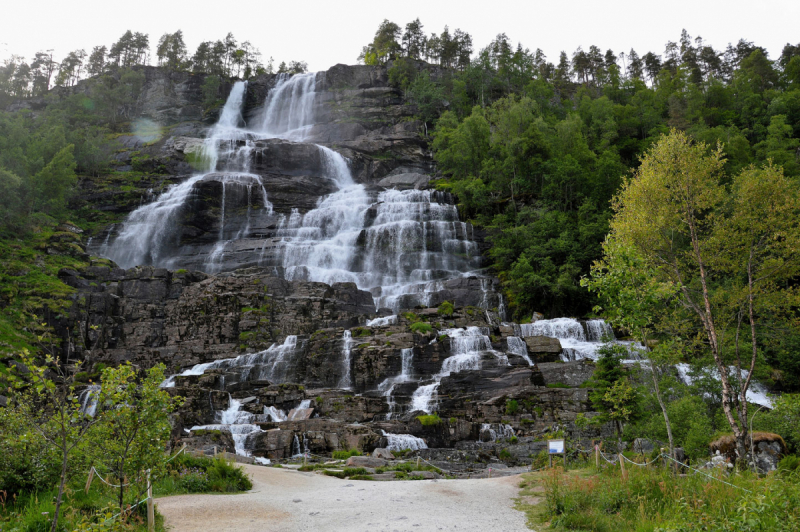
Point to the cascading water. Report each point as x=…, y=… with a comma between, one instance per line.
x=383, y=322
x=238, y=423
x=496, y=431
x=387, y=386
x=578, y=342
x=148, y=234
x=88, y=399
x=273, y=364
x=399, y=245
x=518, y=346
x=345, y=381
x=467, y=346
x=402, y=442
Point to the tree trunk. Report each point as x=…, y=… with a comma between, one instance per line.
x=64, y=456
x=663, y=410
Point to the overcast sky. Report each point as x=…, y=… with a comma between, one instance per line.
x=325, y=32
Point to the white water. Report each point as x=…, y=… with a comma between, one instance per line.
x=382, y=322
x=467, y=346
x=518, y=346
x=346, y=382
x=757, y=393
x=272, y=364
x=238, y=423
x=498, y=431
x=301, y=411
x=88, y=399
x=578, y=343
x=148, y=234
x=400, y=243
x=400, y=442
x=387, y=386
x=276, y=415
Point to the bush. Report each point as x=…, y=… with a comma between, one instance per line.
x=446, y=309
x=421, y=328
x=512, y=407
x=202, y=474
x=344, y=455
x=429, y=420
x=789, y=464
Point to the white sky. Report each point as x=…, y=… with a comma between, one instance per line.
x=326, y=32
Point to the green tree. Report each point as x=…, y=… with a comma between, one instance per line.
x=50, y=406
x=134, y=428
x=699, y=238
x=384, y=45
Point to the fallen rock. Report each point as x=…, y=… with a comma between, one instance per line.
x=382, y=453
x=365, y=461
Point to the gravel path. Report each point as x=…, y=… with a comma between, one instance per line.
x=291, y=501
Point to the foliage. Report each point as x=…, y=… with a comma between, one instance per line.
x=421, y=327
x=344, y=455
x=657, y=500
x=429, y=420
x=512, y=407
x=134, y=425
x=446, y=309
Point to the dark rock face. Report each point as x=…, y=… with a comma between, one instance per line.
x=148, y=315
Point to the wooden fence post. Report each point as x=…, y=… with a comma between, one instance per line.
x=597, y=456
x=89, y=480
x=622, y=467
x=151, y=516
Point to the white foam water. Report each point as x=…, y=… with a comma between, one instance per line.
x=757, y=393
x=401, y=442
x=347, y=344
x=89, y=398
x=578, y=340
x=388, y=385
x=383, y=322
x=467, y=346
x=497, y=431
x=518, y=346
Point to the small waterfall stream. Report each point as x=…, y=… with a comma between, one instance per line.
x=578, y=340
x=467, y=346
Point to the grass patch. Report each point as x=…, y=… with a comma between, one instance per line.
x=557, y=385
x=421, y=327
x=429, y=420
x=344, y=455
x=655, y=500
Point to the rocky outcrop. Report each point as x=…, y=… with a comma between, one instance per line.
x=149, y=315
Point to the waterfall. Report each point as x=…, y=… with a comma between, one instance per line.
x=387, y=386
x=238, y=423
x=518, y=346
x=88, y=399
x=272, y=364
x=289, y=108
x=467, y=346
x=578, y=342
x=402, y=442
x=275, y=415
x=401, y=246
x=497, y=431
x=757, y=393
x=382, y=322
x=345, y=381
x=148, y=234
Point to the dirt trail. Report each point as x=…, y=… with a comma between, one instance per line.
x=290, y=501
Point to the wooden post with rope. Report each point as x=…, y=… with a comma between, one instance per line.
x=151, y=515
x=622, y=467
x=597, y=456
x=89, y=479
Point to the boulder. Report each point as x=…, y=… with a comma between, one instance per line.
x=405, y=181
x=543, y=344
x=365, y=461
x=383, y=454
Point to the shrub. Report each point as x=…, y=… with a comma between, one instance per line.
x=512, y=407
x=429, y=420
x=344, y=455
x=504, y=454
x=410, y=316
x=421, y=328
x=789, y=464
x=446, y=309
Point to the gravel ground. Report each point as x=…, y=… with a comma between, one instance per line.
x=291, y=501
